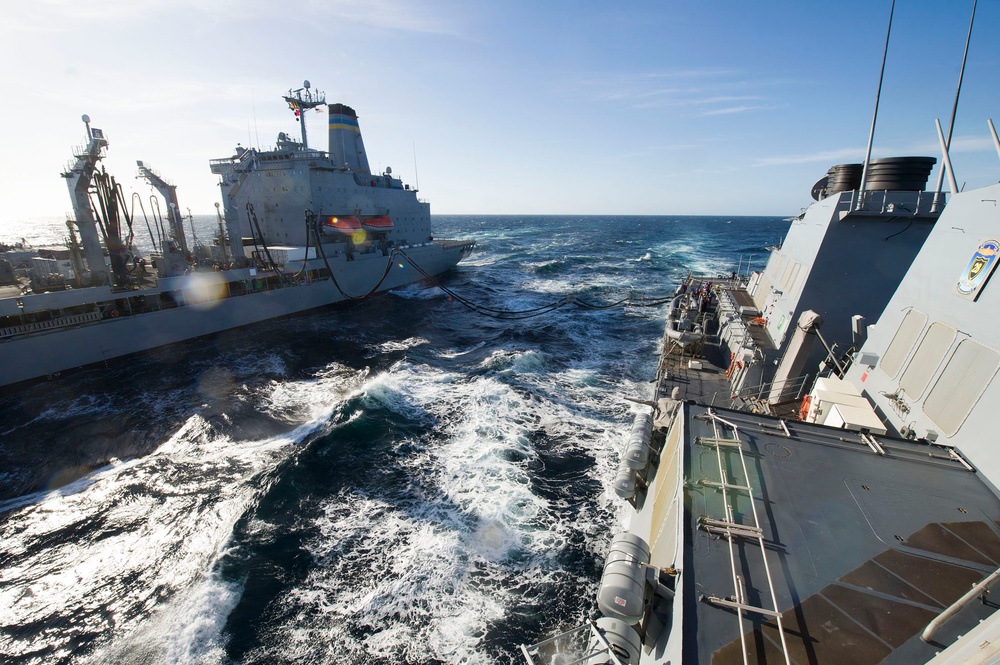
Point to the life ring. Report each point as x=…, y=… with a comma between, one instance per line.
x=760, y=321
x=114, y=314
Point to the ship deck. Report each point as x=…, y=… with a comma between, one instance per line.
x=701, y=377
x=863, y=548
x=706, y=379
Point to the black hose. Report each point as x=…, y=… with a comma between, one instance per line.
x=511, y=315
x=136, y=197
x=154, y=206
x=319, y=245
x=253, y=219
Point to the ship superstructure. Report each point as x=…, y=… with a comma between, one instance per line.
x=265, y=193
x=854, y=518
x=815, y=478
x=299, y=229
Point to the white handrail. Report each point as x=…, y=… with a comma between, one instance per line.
x=955, y=608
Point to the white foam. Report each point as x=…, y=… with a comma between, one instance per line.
x=422, y=576
x=401, y=345
x=152, y=529
x=458, y=353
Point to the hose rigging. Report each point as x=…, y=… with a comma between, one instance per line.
x=509, y=315
x=110, y=212
x=312, y=221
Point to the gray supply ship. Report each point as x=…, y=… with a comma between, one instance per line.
x=299, y=229
x=804, y=487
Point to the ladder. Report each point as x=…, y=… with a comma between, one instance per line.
x=726, y=443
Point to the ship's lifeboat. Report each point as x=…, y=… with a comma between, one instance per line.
x=378, y=223
x=345, y=225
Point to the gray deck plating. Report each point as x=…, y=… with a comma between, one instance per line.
x=862, y=554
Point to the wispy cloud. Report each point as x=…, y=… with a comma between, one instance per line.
x=707, y=91
x=959, y=144
x=826, y=156
x=396, y=15
x=745, y=108
x=393, y=15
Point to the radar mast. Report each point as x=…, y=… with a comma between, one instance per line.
x=300, y=101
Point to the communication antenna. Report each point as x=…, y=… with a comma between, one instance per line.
x=954, y=109
x=993, y=131
x=416, y=175
x=253, y=104
x=871, y=133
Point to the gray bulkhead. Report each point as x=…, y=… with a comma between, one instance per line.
x=840, y=262
x=931, y=360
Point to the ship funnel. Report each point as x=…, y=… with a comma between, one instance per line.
x=346, y=146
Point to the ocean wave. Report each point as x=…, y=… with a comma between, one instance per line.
x=402, y=480
x=140, y=534
x=423, y=570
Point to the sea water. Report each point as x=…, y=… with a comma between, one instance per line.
x=398, y=481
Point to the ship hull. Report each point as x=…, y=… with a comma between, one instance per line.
x=46, y=354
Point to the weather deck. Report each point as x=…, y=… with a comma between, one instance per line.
x=862, y=555
x=700, y=377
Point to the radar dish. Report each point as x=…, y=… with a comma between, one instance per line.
x=85, y=118
x=388, y=170
x=819, y=189
x=305, y=84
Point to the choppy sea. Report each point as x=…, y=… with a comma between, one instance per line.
x=399, y=481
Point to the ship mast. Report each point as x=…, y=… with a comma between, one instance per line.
x=78, y=177
x=302, y=100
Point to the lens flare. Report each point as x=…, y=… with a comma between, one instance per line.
x=204, y=290
x=359, y=236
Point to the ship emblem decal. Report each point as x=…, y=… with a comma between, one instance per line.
x=978, y=270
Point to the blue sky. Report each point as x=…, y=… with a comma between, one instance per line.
x=706, y=107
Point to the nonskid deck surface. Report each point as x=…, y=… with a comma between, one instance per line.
x=862, y=554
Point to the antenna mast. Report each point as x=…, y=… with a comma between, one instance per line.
x=415, y=173
x=300, y=101
x=871, y=134
x=954, y=109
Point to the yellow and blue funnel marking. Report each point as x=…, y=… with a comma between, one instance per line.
x=343, y=122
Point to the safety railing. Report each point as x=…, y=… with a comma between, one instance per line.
x=570, y=647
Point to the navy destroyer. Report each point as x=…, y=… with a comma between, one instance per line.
x=815, y=477
x=298, y=229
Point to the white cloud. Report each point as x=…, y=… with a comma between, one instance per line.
x=745, y=108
